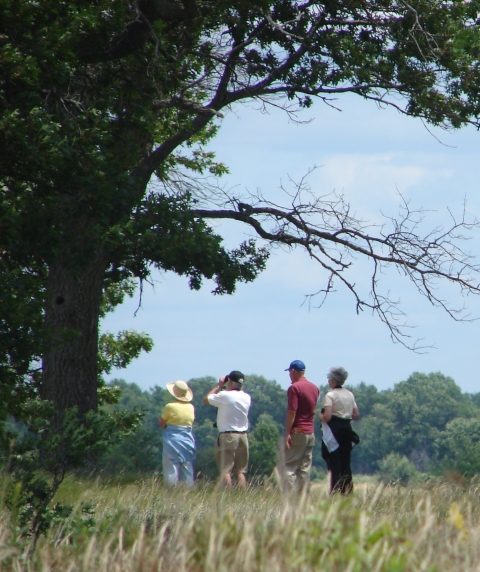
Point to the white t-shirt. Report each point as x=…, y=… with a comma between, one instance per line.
x=341, y=401
x=233, y=409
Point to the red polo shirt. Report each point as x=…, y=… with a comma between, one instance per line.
x=302, y=398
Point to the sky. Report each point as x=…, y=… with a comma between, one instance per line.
x=370, y=155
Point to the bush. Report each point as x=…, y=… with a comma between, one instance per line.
x=396, y=469
x=458, y=447
x=263, y=442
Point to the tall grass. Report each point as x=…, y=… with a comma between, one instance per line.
x=144, y=527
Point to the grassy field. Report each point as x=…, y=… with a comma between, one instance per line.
x=143, y=527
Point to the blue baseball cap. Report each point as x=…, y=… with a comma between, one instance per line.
x=296, y=364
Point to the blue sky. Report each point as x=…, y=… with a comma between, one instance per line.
x=370, y=155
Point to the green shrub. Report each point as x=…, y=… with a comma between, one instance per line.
x=458, y=447
x=396, y=469
x=263, y=442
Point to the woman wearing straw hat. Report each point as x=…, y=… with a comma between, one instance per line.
x=178, y=441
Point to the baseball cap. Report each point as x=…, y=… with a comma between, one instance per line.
x=236, y=376
x=296, y=364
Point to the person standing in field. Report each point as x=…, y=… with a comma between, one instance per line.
x=339, y=408
x=178, y=440
x=296, y=457
x=231, y=446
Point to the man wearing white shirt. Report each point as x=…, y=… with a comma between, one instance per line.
x=231, y=447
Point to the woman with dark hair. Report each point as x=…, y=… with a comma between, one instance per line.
x=339, y=408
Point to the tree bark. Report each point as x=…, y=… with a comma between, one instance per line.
x=70, y=362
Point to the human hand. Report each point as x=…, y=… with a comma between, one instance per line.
x=288, y=441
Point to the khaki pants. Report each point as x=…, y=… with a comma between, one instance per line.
x=231, y=453
x=295, y=472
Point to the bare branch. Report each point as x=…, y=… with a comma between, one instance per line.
x=331, y=235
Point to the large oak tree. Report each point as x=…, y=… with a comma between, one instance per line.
x=105, y=111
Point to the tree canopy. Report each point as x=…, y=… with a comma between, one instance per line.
x=106, y=109
x=424, y=424
x=410, y=419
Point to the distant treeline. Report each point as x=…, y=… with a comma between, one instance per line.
x=425, y=424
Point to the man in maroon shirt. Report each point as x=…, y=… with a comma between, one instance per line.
x=299, y=436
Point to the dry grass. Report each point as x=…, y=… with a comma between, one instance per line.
x=143, y=527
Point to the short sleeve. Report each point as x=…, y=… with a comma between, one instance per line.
x=217, y=399
x=166, y=412
x=328, y=400
x=292, y=398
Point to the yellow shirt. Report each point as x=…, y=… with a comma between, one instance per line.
x=179, y=413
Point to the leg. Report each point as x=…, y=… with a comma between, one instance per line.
x=170, y=472
x=186, y=474
x=346, y=483
x=241, y=480
x=335, y=468
x=292, y=460
x=240, y=465
x=225, y=446
x=305, y=465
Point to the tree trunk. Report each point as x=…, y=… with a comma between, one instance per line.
x=70, y=369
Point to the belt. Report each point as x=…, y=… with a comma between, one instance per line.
x=241, y=432
x=301, y=431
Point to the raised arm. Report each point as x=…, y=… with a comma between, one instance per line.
x=221, y=383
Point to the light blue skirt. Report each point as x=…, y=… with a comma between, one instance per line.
x=179, y=444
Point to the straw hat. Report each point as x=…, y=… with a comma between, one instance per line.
x=180, y=390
